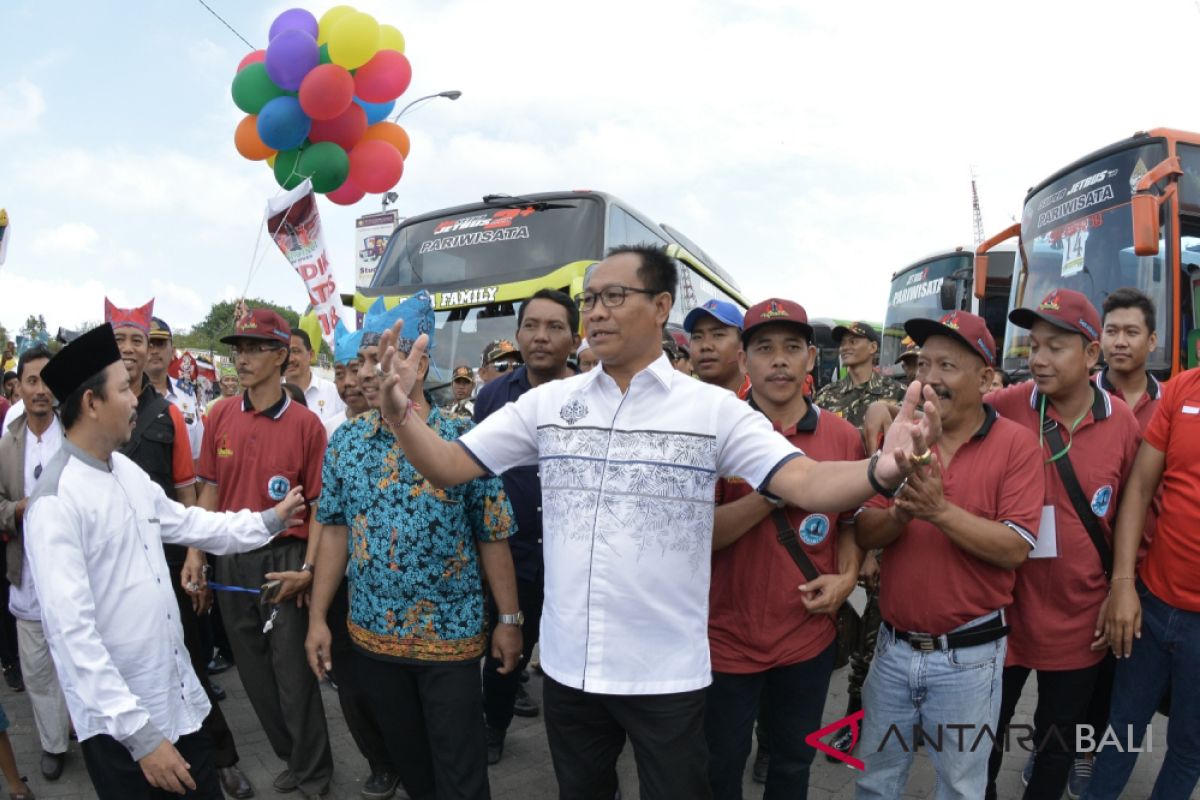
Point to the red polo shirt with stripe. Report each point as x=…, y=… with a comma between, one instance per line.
x=1143, y=412
x=1057, y=600
x=256, y=457
x=927, y=583
x=756, y=618
x=1172, y=565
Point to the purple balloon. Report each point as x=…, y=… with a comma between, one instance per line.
x=293, y=19
x=290, y=56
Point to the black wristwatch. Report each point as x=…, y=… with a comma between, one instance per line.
x=875, y=484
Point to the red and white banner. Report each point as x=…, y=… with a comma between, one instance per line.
x=295, y=225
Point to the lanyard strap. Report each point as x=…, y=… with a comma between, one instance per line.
x=1070, y=431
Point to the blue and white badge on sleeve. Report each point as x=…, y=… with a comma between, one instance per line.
x=278, y=487
x=1101, y=500
x=814, y=529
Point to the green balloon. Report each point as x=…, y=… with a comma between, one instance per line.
x=326, y=163
x=286, y=173
x=253, y=88
x=324, y=54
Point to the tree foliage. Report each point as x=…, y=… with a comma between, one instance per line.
x=206, y=335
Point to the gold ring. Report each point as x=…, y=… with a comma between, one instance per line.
x=923, y=458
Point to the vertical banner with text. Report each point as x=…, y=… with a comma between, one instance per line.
x=295, y=225
x=371, y=235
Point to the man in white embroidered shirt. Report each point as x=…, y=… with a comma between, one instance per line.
x=94, y=533
x=629, y=457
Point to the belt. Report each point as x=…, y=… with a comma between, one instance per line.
x=984, y=632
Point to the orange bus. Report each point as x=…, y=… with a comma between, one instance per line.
x=1126, y=215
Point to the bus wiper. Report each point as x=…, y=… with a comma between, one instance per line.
x=511, y=201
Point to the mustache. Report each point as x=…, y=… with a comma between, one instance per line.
x=942, y=392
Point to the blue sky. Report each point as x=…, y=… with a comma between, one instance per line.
x=811, y=148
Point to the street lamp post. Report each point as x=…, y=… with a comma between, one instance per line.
x=451, y=94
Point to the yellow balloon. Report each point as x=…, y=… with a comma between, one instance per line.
x=353, y=40
x=329, y=19
x=390, y=38
x=271, y=160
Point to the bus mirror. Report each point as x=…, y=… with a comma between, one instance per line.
x=948, y=294
x=1145, y=224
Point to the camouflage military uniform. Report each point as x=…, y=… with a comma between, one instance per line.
x=850, y=402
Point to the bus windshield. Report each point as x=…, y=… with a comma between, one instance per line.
x=915, y=294
x=490, y=244
x=1077, y=233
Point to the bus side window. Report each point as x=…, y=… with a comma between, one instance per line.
x=623, y=228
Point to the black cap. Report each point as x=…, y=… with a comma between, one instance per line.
x=79, y=360
x=855, y=329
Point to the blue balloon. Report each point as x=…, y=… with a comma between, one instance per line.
x=376, y=112
x=282, y=125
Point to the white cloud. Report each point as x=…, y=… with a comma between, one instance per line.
x=68, y=239
x=23, y=104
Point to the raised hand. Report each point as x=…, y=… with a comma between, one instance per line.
x=909, y=436
x=399, y=372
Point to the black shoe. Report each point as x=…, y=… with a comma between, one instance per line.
x=286, y=782
x=218, y=664
x=495, y=745
x=52, y=765
x=762, y=760
x=380, y=785
x=234, y=782
x=524, y=676
x=12, y=676
x=843, y=743
x=217, y=691
x=523, y=705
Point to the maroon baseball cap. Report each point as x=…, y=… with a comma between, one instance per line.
x=262, y=324
x=961, y=326
x=775, y=309
x=1062, y=308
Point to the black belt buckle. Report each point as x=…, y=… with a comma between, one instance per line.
x=923, y=642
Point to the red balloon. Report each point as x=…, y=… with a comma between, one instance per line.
x=256, y=57
x=383, y=78
x=375, y=165
x=326, y=91
x=344, y=130
x=347, y=194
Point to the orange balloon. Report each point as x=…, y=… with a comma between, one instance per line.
x=246, y=139
x=391, y=133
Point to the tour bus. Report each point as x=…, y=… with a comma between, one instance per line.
x=943, y=282
x=482, y=260
x=1126, y=215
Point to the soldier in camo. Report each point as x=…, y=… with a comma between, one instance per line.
x=858, y=346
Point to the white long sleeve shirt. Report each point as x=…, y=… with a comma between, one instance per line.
x=94, y=534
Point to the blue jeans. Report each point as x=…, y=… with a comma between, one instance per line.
x=1169, y=651
x=908, y=690
x=795, y=695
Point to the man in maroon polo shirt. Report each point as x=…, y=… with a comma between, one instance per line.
x=253, y=452
x=764, y=633
x=952, y=538
x=1061, y=588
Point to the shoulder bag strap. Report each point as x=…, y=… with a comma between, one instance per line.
x=1082, y=508
x=787, y=537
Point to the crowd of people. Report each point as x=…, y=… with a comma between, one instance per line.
x=675, y=520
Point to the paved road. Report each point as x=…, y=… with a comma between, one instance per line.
x=524, y=774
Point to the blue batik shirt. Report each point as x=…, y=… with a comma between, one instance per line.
x=415, y=586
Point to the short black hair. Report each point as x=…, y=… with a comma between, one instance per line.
x=1128, y=297
x=296, y=392
x=557, y=297
x=32, y=354
x=1005, y=378
x=658, y=270
x=303, y=336
x=72, y=407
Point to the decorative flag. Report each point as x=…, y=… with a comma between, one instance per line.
x=295, y=225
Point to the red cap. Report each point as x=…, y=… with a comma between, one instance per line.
x=1063, y=308
x=961, y=326
x=263, y=324
x=775, y=309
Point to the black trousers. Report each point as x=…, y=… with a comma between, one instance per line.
x=1101, y=702
x=224, y=750
x=355, y=698
x=8, y=624
x=117, y=776
x=1063, y=698
x=587, y=733
x=500, y=691
x=430, y=719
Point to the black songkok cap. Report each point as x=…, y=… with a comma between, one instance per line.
x=84, y=357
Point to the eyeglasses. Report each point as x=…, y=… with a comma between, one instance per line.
x=503, y=366
x=610, y=296
x=248, y=349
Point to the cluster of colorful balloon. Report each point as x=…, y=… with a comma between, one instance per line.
x=318, y=99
